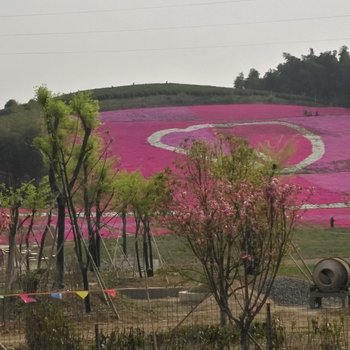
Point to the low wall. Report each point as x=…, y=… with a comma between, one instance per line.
x=154, y=292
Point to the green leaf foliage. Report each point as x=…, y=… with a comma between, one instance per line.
x=47, y=328
x=86, y=108
x=324, y=77
x=20, y=160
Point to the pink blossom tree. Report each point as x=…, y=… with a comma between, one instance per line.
x=237, y=218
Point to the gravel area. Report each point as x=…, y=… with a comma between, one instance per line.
x=290, y=291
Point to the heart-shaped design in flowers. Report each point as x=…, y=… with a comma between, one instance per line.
x=309, y=147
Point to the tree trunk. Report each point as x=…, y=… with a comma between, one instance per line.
x=97, y=235
x=150, y=272
x=84, y=273
x=138, y=257
x=92, y=249
x=124, y=243
x=98, y=250
x=244, y=338
x=145, y=253
x=43, y=238
x=137, y=252
x=27, y=239
x=92, y=238
x=223, y=318
x=61, y=205
x=88, y=217
x=10, y=276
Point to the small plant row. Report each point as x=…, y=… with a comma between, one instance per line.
x=48, y=328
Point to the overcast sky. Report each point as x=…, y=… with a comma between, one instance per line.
x=81, y=44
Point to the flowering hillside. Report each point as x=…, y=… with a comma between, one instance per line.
x=147, y=140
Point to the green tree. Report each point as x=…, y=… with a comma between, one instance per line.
x=126, y=191
x=14, y=199
x=253, y=79
x=324, y=77
x=11, y=104
x=146, y=198
x=239, y=81
x=54, y=147
x=344, y=56
x=97, y=179
x=69, y=128
x=20, y=161
x=38, y=199
x=69, y=151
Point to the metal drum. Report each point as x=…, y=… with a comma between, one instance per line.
x=331, y=275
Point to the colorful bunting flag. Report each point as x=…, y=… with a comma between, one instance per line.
x=83, y=293
x=26, y=298
x=57, y=295
x=111, y=292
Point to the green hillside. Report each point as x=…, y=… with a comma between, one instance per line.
x=21, y=123
x=170, y=94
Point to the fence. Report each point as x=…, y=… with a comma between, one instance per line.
x=291, y=327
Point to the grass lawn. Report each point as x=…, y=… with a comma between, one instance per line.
x=320, y=242
x=312, y=243
x=179, y=266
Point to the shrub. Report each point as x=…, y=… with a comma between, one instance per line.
x=190, y=337
x=47, y=328
x=133, y=338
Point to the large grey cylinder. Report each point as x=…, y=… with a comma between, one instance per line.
x=331, y=275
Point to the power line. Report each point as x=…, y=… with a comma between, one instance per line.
x=198, y=26
x=86, y=52
x=83, y=12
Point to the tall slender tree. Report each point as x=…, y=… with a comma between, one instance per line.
x=126, y=190
x=53, y=146
x=98, y=191
x=66, y=145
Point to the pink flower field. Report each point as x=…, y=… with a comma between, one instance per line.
x=147, y=140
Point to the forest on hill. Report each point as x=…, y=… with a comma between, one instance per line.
x=324, y=77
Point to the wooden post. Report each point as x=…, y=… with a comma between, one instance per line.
x=3, y=310
x=269, y=342
x=97, y=337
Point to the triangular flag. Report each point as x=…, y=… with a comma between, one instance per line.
x=57, y=295
x=27, y=299
x=83, y=293
x=111, y=292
